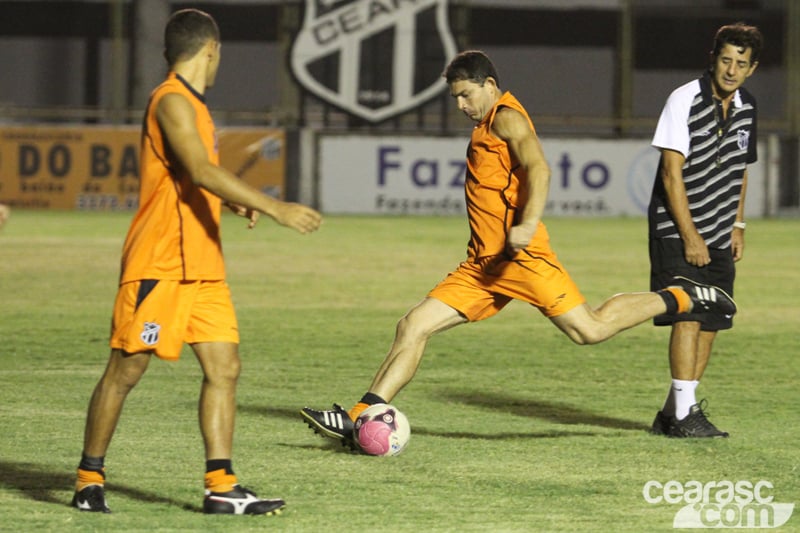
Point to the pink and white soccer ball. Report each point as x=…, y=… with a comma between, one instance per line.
x=381, y=429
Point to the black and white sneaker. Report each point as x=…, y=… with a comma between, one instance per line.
x=91, y=499
x=706, y=298
x=334, y=423
x=240, y=501
x=695, y=425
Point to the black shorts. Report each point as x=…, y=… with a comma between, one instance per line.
x=667, y=260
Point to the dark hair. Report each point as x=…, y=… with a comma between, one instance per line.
x=470, y=65
x=739, y=35
x=187, y=31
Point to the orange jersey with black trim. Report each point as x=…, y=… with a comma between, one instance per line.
x=175, y=233
x=496, y=188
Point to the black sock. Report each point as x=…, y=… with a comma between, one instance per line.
x=670, y=300
x=372, y=399
x=220, y=464
x=92, y=464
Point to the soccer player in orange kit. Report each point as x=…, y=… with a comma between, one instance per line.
x=172, y=284
x=509, y=254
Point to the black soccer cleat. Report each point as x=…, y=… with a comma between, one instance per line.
x=695, y=425
x=662, y=424
x=706, y=298
x=334, y=423
x=91, y=499
x=240, y=501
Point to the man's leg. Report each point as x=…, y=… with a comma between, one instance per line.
x=217, y=413
x=427, y=318
x=217, y=408
x=683, y=355
x=689, y=353
x=584, y=325
x=689, y=346
x=122, y=373
x=704, y=344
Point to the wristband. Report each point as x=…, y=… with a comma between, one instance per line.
x=740, y=225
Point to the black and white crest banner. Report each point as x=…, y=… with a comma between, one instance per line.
x=374, y=59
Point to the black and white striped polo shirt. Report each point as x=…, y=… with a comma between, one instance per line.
x=717, y=152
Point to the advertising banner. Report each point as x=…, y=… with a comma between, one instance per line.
x=425, y=176
x=97, y=167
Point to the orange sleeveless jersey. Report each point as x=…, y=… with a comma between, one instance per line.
x=490, y=277
x=495, y=188
x=175, y=233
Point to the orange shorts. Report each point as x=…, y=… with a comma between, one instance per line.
x=479, y=290
x=160, y=315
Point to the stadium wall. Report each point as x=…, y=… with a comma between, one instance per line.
x=97, y=167
x=411, y=175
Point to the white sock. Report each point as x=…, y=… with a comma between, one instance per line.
x=682, y=392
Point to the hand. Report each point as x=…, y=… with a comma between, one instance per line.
x=695, y=251
x=242, y=211
x=5, y=212
x=298, y=217
x=737, y=244
x=519, y=237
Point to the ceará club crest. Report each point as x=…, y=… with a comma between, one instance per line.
x=374, y=59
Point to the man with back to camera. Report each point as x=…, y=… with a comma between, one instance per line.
x=172, y=283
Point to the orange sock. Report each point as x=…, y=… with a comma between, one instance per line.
x=89, y=477
x=357, y=410
x=684, y=302
x=219, y=481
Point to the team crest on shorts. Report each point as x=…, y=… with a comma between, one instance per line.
x=149, y=334
x=373, y=58
x=743, y=139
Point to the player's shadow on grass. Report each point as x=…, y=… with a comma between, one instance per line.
x=502, y=436
x=277, y=412
x=558, y=413
x=550, y=411
x=293, y=414
x=41, y=484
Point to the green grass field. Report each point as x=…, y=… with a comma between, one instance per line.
x=514, y=428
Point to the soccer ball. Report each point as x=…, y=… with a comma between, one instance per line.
x=381, y=429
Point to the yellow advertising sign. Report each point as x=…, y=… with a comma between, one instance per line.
x=97, y=167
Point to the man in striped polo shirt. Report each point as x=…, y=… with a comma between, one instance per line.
x=707, y=136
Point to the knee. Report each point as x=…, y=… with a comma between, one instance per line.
x=230, y=371
x=410, y=330
x=125, y=370
x=403, y=326
x=583, y=337
x=122, y=381
x=582, y=326
x=220, y=362
x=223, y=374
